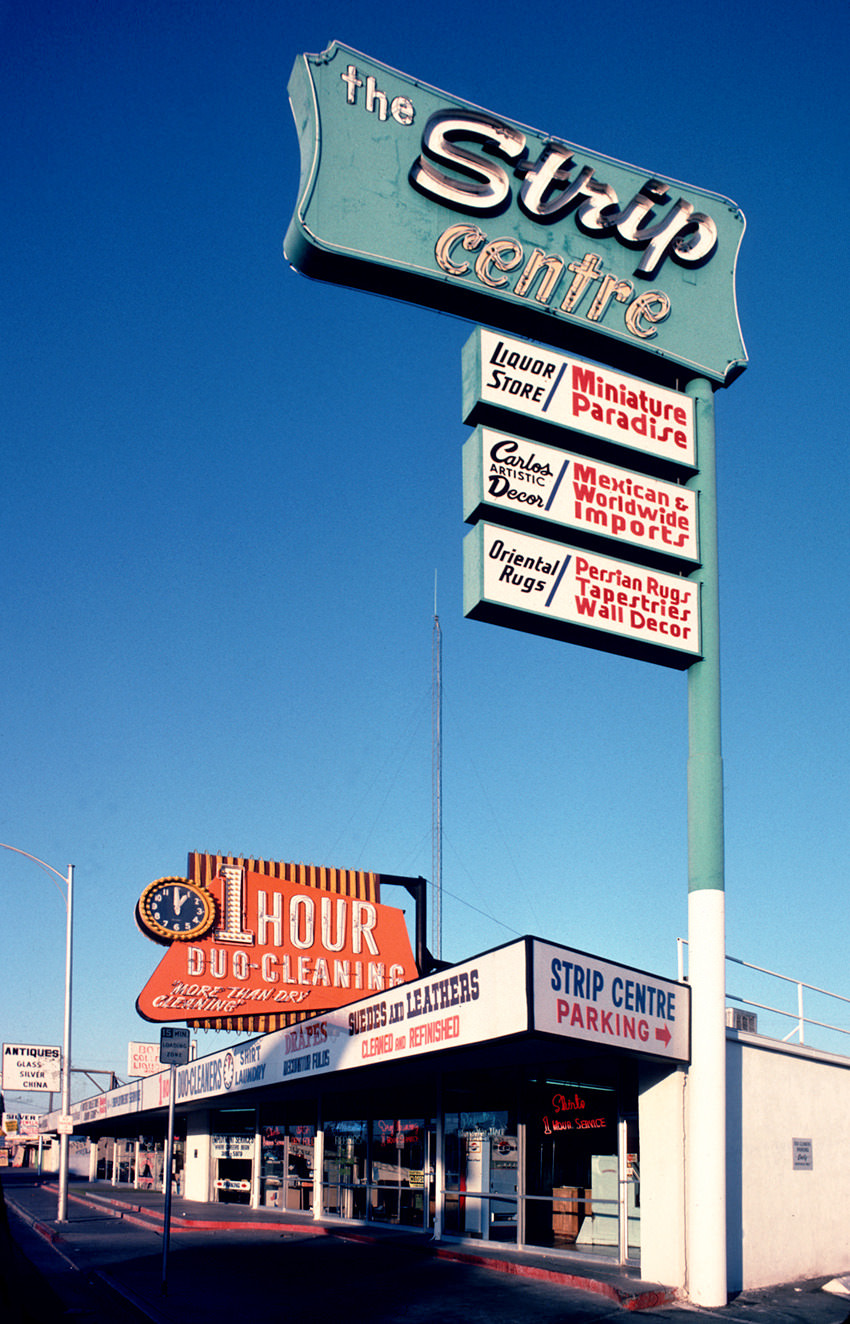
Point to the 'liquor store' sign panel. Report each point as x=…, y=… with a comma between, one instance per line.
x=540, y=393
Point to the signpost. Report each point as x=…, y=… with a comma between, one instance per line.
x=173, y=1052
x=515, y=578
x=706, y=1150
x=547, y=587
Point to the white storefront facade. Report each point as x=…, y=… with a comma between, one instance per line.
x=532, y=1096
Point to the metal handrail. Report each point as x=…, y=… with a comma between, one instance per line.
x=800, y=984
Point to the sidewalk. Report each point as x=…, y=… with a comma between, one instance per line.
x=226, y=1260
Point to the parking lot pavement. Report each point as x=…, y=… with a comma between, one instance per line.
x=294, y=1273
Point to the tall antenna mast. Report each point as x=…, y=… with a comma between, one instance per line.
x=436, y=785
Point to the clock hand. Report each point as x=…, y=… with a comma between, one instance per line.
x=180, y=898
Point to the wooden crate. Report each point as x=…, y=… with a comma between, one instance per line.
x=569, y=1210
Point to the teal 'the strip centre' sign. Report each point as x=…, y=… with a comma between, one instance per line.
x=409, y=192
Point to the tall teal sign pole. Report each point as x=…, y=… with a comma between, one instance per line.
x=705, y=1172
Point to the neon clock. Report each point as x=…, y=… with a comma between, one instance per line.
x=176, y=909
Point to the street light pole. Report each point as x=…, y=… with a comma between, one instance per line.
x=64, y=1136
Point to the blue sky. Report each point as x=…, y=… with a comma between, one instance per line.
x=227, y=490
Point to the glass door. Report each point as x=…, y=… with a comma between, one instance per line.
x=572, y=1172
x=481, y=1174
x=398, y=1180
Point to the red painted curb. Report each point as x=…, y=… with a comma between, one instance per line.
x=643, y=1301
x=201, y=1225
x=140, y=1216
x=47, y=1232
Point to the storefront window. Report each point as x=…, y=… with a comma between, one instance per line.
x=572, y=1173
x=151, y=1162
x=380, y=1169
x=345, y=1172
x=232, y=1154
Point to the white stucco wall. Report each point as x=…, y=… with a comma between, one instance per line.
x=784, y=1224
x=197, y=1172
x=661, y=1120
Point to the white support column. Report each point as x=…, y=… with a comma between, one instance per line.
x=622, y=1190
x=440, y=1167
x=256, y=1166
x=521, y=1151
x=318, y=1170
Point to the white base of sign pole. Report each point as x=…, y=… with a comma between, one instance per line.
x=706, y=1111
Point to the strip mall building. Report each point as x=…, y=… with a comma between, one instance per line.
x=533, y=1095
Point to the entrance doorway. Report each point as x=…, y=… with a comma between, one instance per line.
x=481, y=1167
x=380, y=1169
x=232, y=1154
x=582, y=1168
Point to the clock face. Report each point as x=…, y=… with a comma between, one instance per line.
x=176, y=908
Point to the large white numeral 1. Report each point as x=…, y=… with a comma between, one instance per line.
x=233, y=877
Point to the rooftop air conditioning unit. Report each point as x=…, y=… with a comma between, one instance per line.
x=742, y=1020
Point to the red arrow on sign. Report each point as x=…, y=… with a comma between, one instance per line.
x=664, y=1035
